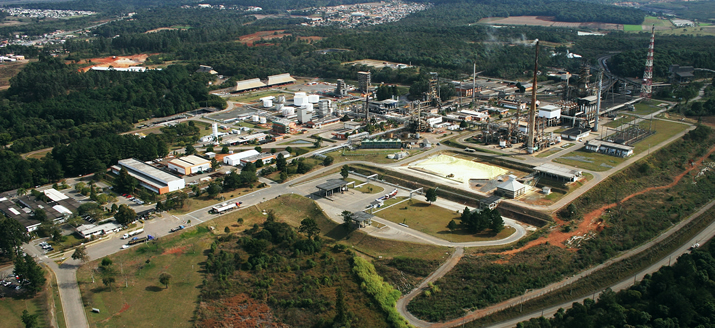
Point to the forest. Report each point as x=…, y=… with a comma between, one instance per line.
x=681, y=295
x=50, y=103
x=283, y=276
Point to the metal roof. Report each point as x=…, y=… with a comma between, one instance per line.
x=55, y=195
x=188, y=161
x=249, y=84
x=280, y=79
x=607, y=144
x=558, y=170
x=150, y=171
x=332, y=184
x=362, y=216
x=511, y=185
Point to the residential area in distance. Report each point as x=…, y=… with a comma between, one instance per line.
x=291, y=164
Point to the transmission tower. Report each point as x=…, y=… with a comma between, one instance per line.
x=647, y=86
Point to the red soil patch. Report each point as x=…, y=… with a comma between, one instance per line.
x=239, y=311
x=250, y=39
x=124, y=308
x=591, y=221
x=175, y=250
x=547, y=21
x=118, y=61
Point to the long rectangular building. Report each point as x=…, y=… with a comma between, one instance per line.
x=150, y=177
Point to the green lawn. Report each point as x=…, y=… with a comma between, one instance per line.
x=256, y=95
x=663, y=131
x=645, y=109
x=370, y=189
x=378, y=156
x=590, y=160
x=651, y=20
x=632, y=28
x=602, y=162
x=548, y=152
x=11, y=308
x=622, y=119
x=137, y=298
x=433, y=220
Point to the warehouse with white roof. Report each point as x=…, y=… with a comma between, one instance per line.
x=235, y=159
x=150, y=177
x=191, y=164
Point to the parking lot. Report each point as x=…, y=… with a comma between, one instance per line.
x=350, y=200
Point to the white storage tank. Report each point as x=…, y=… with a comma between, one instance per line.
x=288, y=111
x=279, y=107
x=281, y=99
x=262, y=120
x=313, y=99
x=254, y=118
x=300, y=101
x=309, y=107
x=267, y=103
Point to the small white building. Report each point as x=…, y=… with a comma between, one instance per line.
x=191, y=164
x=235, y=159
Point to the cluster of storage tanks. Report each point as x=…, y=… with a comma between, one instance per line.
x=301, y=99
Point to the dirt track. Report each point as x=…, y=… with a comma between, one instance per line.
x=591, y=220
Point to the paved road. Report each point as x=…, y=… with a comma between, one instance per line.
x=439, y=273
x=703, y=236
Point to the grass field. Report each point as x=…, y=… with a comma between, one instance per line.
x=548, y=152
x=602, y=162
x=695, y=31
x=11, y=311
x=433, y=220
x=590, y=160
x=255, y=96
x=377, y=156
x=632, y=28
x=137, y=287
x=191, y=204
x=664, y=130
x=645, y=109
x=7, y=71
x=622, y=119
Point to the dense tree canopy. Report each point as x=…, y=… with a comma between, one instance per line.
x=681, y=295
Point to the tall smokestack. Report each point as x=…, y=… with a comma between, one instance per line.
x=532, y=110
x=598, y=101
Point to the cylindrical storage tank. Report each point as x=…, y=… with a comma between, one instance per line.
x=267, y=103
x=279, y=107
x=288, y=111
x=502, y=143
x=300, y=101
x=309, y=107
x=300, y=94
x=262, y=120
x=281, y=99
x=254, y=118
x=313, y=99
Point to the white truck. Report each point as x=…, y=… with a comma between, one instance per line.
x=133, y=233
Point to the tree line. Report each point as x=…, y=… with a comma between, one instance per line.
x=50, y=103
x=681, y=295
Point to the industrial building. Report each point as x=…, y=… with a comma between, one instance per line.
x=57, y=207
x=266, y=158
x=280, y=79
x=248, y=85
x=551, y=113
x=364, y=81
x=381, y=144
x=235, y=159
x=609, y=148
x=558, y=172
x=150, y=177
x=511, y=188
x=189, y=165
x=575, y=133
x=283, y=126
